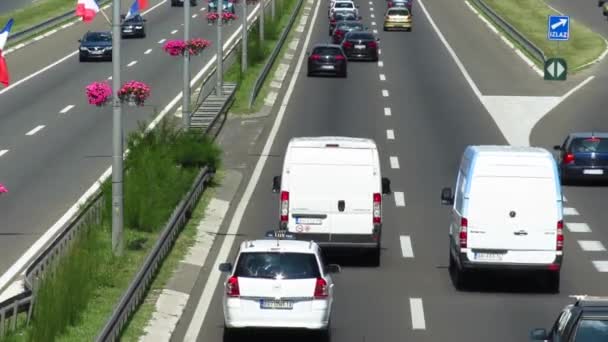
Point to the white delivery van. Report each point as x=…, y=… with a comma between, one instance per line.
x=331, y=192
x=506, y=213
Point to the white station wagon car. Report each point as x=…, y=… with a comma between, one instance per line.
x=278, y=282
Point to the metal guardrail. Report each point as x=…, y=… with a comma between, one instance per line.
x=273, y=56
x=137, y=289
x=528, y=45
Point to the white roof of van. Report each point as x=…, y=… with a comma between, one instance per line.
x=345, y=142
x=501, y=150
x=270, y=245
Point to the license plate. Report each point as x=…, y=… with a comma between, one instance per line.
x=359, y=46
x=308, y=220
x=96, y=52
x=593, y=172
x=276, y=304
x=127, y=31
x=488, y=256
x=327, y=67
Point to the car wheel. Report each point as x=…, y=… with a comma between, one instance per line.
x=230, y=335
x=553, y=280
x=325, y=334
x=385, y=29
x=409, y=29
x=143, y=34
x=458, y=275
x=600, y=3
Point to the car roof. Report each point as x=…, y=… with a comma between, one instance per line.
x=279, y=245
x=589, y=134
x=347, y=142
x=502, y=149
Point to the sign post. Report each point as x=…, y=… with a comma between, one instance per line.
x=558, y=30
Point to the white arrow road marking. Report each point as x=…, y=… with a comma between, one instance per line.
x=417, y=314
x=35, y=130
x=66, y=109
x=399, y=199
x=561, y=22
x=3, y=152
x=406, y=246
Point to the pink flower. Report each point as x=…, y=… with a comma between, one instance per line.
x=134, y=89
x=98, y=93
x=212, y=16
x=175, y=47
x=3, y=189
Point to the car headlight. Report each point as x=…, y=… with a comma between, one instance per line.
x=83, y=49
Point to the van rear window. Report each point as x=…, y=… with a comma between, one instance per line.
x=589, y=145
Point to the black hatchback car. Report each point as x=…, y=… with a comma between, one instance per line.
x=342, y=27
x=133, y=27
x=583, y=156
x=584, y=321
x=327, y=59
x=360, y=45
x=96, y=46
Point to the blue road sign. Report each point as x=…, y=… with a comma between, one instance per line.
x=558, y=27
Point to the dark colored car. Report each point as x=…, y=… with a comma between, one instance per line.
x=133, y=27
x=227, y=6
x=400, y=3
x=327, y=59
x=96, y=46
x=584, y=321
x=341, y=16
x=175, y=3
x=343, y=27
x=360, y=45
x=583, y=156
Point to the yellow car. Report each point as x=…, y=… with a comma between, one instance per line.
x=398, y=18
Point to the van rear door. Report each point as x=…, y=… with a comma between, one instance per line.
x=512, y=213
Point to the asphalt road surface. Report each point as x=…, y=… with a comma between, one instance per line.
x=11, y=5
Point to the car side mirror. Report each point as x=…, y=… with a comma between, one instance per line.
x=447, y=198
x=386, y=186
x=539, y=335
x=333, y=268
x=225, y=267
x=276, y=184
x=557, y=148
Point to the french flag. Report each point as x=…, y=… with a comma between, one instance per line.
x=87, y=9
x=134, y=10
x=143, y=4
x=4, y=76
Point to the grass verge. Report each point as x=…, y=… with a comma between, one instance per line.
x=530, y=18
x=258, y=53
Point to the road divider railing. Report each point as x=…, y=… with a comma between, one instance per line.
x=531, y=48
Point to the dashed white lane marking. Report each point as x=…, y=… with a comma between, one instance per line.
x=162, y=41
x=372, y=15
x=3, y=152
x=371, y=9
x=601, y=265
x=194, y=15
x=578, y=227
x=591, y=246
x=417, y=314
x=570, y=211
x=379, y=51
x=371, y=3
x=406, y=246
x=384, y=92
x=202, y=9
x=174, y=31
x=564, y=198
x=373, y=23
x=109, y=77
x=131, y=64
x=390, y=134
x=399, y=199
x=394, y=162
x=382, y=77
x=148, y=52
x=66, y=109
x=35, y=130
x=375, y=31
x=387, y=111
x=380, y=64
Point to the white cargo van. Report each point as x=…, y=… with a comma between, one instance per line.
x=506, y=213
x=331, y=192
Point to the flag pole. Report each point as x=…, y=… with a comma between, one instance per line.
x=117, y=138
x=105, y=16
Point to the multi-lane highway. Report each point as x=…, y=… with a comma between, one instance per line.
x=434, y=113
x=6, y=6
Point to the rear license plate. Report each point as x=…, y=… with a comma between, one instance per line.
x=327, y=67
x=593, y=172
x=96, y=52
x=276, y=304
x=488, y=256
x=308, y=220
x=359, y=46
x=127, y=31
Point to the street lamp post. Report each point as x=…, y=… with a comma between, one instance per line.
x=220, y=56
x=186, y=90
x=262, y=21
x=117, y=148
x=244, y=39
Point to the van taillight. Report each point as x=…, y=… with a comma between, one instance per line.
x=284, y=206
x=377, y=208
x=462, y=235
x=560, y=236
x=232, y=287
x=568, y=158
x=321, y=290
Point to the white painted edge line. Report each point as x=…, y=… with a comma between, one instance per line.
x=390, y=134
x=384, y=92
x=3, y=152
x=43, y=240
x=597, y=60
x=174, y=31
x=35, y=130
x=394, y=161
x=148, y=52
x=162, y=41
x=406, y=246
x=417, y=311
x=573, y=90
x=399, y=199
x=131, y=64
x=387, y=112
x=380, y=64
x=382, y=77
x=591, y=246
x=214, y=277
x=568, y=211
x=575, y=227
x=66, y=109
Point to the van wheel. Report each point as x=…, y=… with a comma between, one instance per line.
x=458, y=275
x=325, y=334
x=553, y=280
x=229, y=334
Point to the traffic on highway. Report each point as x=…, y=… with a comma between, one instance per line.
x=403, y=184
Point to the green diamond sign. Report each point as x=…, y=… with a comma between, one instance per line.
x=556, y=69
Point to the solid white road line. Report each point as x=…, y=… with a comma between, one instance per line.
x=384, y=92
x=601, y=265
x=380, y=64
x=399, y=199
x=591, y=246
x=35, y=130
x=578, y=227
x=162, y=41
x=214, y=277
x=3, y=152
x=382, y=77
x=174, y=31
x=131, y=64
x=387, y=111
x=570, y=211
x=148, y=52
x=406, y=246
x=417, y=314
x=66, y=109
x=390, y=134
x=394, y=162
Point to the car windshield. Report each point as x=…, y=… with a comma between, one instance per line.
x=134, y=19
x=592, y=330
x=344, y=16
x=98, y=37
x=325, y=51
x=271, y=265
x=399, y=12
x=344, y=5
x=360, y=35
x=589, y=145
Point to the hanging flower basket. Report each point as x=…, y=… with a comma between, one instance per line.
x=99, y=93
x=134, y=93
x=175, y=47
x=251, y=2
x=3, y=189
x=227, y=17
x=212, y=17
x=196, y=46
